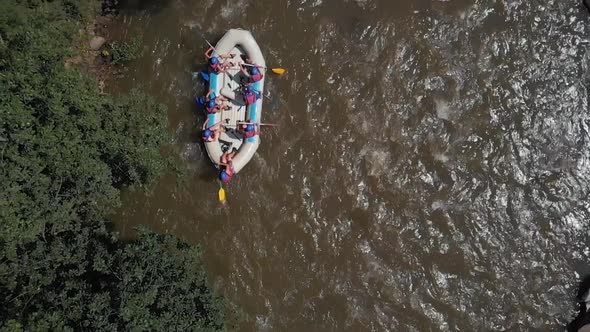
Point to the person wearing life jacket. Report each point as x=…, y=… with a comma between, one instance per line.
x=211, y=134
x=215, y=62
x=255, y=74
x=250, y=95
x=227, y=171
x=212, y=107
x=252, y=72
x=249, y=129
x=214, y=103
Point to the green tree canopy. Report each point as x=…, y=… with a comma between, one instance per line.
x=65, y=152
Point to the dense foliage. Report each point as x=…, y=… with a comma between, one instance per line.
x=65, y=152
x=121, y=52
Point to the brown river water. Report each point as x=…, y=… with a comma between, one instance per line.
x=430, y=171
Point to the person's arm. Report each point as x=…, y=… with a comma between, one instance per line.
x=208, y=94
x=205, y=123
x=222, y=163
x=230, y=168
x=216, y=126
x=208, y=52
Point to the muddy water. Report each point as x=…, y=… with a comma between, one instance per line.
x=431, y=170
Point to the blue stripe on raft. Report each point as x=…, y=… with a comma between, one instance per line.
x=211, y=118
x=213, y=82
x=253, y=116
x=212, y=86
x=253, y=108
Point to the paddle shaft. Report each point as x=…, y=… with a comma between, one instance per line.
x=278, y=71
x=263, y=124
x=260, y=124
x=208, y=43
x=249, y=65
x=213, y=47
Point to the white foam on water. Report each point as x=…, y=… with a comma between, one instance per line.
x=442, y=108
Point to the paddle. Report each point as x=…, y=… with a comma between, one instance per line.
x=204, y=73
x=205, y=39
x=260, y=124
x=213, y=47
x=278, y=71
x=221, y=194
x=272, y=125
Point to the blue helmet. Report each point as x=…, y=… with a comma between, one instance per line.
x=214, y=60
x=254, y=71
x=207, y=133
x=211, y=103
x=249, y=88
x=224, y=177
x=250, y=127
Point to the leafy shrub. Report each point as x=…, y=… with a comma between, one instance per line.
x=122, y=52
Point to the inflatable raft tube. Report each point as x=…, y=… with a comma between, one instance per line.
x=242, y=44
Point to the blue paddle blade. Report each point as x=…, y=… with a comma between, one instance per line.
x=201, y=101
x=205, y=75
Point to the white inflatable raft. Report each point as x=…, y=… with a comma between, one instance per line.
x=239, y=42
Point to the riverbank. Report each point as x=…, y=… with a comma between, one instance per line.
x=94, y=46
x=68, y=149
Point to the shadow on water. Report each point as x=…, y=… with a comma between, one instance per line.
x=150, y=6
x=583, y=289
x=582, y=320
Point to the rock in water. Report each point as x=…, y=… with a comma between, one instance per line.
x=96, y=43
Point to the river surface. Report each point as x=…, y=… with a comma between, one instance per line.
x=430, y=172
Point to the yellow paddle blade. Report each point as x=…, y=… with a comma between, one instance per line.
x=279, y=71
x=221, y=195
